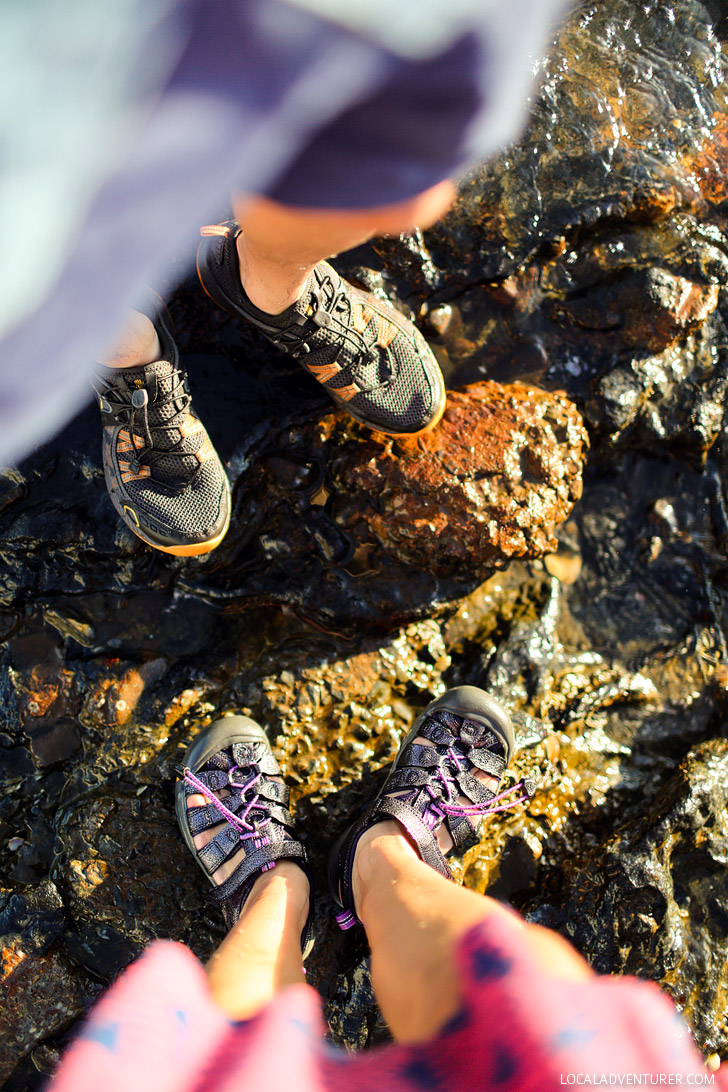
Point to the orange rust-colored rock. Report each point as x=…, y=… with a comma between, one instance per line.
x=490, y=483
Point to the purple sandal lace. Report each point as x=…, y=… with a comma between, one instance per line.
x=247, y=830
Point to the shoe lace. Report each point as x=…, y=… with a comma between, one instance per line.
x=246, y=823
x=443, y=794
x=452, y=806
x=331, y=310
x=134, y=413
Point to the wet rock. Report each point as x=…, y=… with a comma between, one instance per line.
x=589, y=259
x=592, y=256
x=31, y=922
x=566, y=567
x=348, y=528
x=14, y=761
x=654, y=901
x=677, y=396
x=652, y=309
x=437, y=320
x=492, y=483
x=41, y=993
x=58, y=742
x=378, y=529
x=42, y=997
x=621, y=135
x=119, y=860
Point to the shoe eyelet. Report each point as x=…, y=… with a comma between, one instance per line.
x=245, y=772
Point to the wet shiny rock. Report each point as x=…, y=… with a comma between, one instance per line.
x=576, y=298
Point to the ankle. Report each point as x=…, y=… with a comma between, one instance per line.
x=384, y=848
x=270, y=286
x=138, y=344
x=286, y=882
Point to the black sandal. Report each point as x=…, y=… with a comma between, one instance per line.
x=234, y=753
x=465, y=728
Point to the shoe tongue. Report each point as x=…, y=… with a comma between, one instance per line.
x=139, y=379
x=305, y=305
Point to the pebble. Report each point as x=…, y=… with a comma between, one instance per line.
x=552, y=747
x=438, y=320
x=565, y=567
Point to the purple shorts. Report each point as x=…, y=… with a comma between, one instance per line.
x=405, y=130
x=258, y=96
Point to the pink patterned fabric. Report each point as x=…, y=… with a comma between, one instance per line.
x=158, y=1029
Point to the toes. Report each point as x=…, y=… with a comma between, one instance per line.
x=206, y=836
x=197, y=800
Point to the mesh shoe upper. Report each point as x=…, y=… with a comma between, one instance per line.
x=366, y=354
x=158, y=458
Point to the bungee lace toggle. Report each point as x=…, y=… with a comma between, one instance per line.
x=134, y=413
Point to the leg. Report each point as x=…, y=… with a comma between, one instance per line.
x=280, y=244
x=262, y=952
x=266, y=267
x=414, y=919
x=137, y=344
x=446, y=775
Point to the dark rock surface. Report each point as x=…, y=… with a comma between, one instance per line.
x=590, y=259
x=654, y=895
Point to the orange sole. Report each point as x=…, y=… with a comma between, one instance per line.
x=194, y=550
x=428, y=428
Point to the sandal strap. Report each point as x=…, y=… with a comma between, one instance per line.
x=475, y=790
x=395, y=807
x=202, y=818
x=219, y=849
x=275, y=791
x=420, y=755
x=207, y=816
x=259, y=859
x=486, y=761
x=463, y=832
x=214, y=780
x=387, y=807
x=246, y=754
